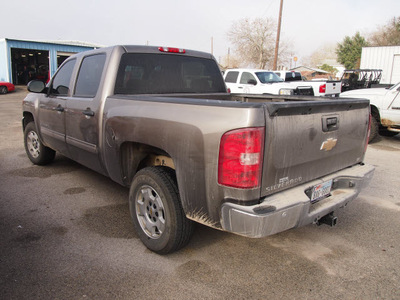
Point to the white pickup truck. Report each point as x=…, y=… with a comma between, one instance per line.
x=321, y=87
x=255, y=81
x=385, y=109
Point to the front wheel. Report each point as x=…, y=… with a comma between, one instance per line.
x=3, y=90
x=157, y=212
x=36, y=151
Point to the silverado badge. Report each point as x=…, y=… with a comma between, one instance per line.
x=329, y=144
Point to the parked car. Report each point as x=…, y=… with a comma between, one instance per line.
x=160, y=121
x=6, y=87
x=262, y=82
x=385, y=109
x=321, y=87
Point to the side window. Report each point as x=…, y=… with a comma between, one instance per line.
x=246, y=77
x=232, y=76
x=89, y=76
x=61, y=81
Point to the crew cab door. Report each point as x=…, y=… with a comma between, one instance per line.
x=247, y=83
x=390, y=114
x=83, y=112
x=52, y=106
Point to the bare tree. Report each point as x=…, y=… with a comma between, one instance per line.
x=254, y=41
x=388, y=35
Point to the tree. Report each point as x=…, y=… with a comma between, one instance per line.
x=321, y=56
x=349, y=51
x=254, y=41
x=328, y=68
x=388, y=35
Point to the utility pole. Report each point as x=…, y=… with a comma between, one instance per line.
x=212, y=45
x=278, y=35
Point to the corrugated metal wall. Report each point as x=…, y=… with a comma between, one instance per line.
x=385, y=58
x=7, y=44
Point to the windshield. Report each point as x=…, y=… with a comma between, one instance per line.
x=395, y=87
x=268, y=77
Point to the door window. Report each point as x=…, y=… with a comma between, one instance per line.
x=246, y=77
x=61, y=81
x=89, y=76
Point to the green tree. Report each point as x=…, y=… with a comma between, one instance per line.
x=388, y=35
x=349, y=51
x=328, y=68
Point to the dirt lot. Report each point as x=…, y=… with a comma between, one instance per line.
x=66, y=233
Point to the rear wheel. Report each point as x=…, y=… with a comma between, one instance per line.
x=3, y=90
x=157, y=212
x=36, y=151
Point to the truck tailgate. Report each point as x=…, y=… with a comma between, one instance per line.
x=306, y=140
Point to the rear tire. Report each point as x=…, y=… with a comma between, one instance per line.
x=36, y=151
x=157, y=212
x=3, y=90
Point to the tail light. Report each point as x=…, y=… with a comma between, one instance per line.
x=322, y=88
x=240, y=158
x=171, y=50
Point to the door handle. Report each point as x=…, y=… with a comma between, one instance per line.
x=88, y=112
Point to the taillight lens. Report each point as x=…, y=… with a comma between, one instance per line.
x=171, y=50
x=322, y=88
x=241, y=157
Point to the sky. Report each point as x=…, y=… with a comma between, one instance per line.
x=307, y=25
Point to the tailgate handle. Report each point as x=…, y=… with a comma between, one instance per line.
x=330, y=123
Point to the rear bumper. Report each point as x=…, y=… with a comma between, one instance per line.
x=292, y=208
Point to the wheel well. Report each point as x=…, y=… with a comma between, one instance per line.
x=375, y=113
x=28, y=117
x=136, y=156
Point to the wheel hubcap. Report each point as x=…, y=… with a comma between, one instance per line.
x=150, y=212
x=33, y=144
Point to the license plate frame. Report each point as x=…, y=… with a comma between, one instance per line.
x=321, y=191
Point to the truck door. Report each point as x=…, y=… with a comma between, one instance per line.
x=83, y=113
x=392, y=102
x=247, y=83
x=52, y=108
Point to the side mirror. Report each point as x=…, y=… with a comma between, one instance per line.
x=252, y=82
x=36, y=86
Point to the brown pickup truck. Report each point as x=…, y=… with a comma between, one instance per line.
x=160, y=121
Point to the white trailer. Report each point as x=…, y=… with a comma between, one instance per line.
x=385, y=58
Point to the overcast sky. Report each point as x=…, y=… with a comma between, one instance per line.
x=306, y=24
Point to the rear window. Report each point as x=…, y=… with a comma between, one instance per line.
x=142, y=73
x=293, y=76
x=232, y=76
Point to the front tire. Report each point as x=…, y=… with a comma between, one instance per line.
x=36, y=151
x=374, y=129
x=3, y=90
x=156, y=210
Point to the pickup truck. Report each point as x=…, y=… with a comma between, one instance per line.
x=159, y=121
x=262, y=82
x=321, y=87
x=385, y=108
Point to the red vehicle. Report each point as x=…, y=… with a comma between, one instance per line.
x=6, y=87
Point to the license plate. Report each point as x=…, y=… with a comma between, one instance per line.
x=321, y=190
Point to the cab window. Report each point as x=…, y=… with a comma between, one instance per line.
x=89, y=76
x=61, y=82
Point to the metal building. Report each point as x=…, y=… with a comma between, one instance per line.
x=23, y=60
x=385, y=58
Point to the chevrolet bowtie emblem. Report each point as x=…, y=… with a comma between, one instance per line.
x=329, y=144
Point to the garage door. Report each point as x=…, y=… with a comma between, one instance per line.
x=395, y=78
